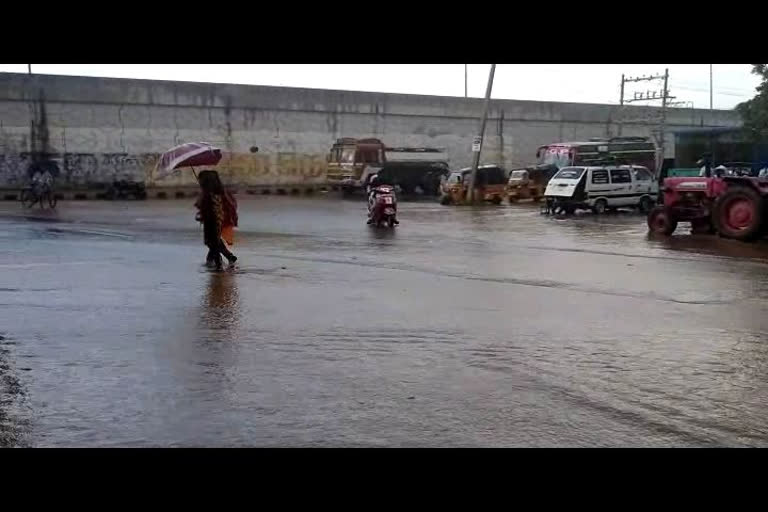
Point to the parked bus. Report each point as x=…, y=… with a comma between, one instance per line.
x=619, y=150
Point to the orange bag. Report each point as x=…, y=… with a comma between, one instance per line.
x=228, y=234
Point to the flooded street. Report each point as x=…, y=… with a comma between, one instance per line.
x=491, y=326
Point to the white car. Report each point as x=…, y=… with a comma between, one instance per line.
x=602, y=188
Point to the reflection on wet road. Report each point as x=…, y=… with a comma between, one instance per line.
x=463, y=327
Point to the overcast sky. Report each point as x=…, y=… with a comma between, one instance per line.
x=587, y=83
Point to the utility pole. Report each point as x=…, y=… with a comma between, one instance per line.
x=29, y=68
x=621, y=102
x=710, y=87
x=662, y=125
x=655, y=95
x=465, y=80
x=476, y=159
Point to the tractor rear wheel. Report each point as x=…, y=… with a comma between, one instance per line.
x=738, y=213
x=661, y=221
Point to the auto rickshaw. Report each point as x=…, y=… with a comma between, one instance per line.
x=490, y=185
x=529, y=183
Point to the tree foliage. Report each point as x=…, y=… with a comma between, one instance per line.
x=754, y=112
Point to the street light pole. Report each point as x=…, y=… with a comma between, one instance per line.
x=476, y=159
x=710, y=87
x=29, y=68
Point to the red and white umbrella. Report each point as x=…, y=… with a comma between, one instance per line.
x=191, y=154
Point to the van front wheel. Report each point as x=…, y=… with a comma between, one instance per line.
x=646, y=204
x=600, y=206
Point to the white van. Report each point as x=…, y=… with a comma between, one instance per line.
x=602, y=188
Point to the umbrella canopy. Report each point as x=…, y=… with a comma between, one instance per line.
x=191, y=154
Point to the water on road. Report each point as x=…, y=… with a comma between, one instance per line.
x=489, y=326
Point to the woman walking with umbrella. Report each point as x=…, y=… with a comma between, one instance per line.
x=217, y=208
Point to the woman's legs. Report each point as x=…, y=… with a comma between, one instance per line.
x=212, y=241
x=231, y=258
x=214, y=255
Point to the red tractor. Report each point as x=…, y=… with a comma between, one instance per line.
x=735, y=207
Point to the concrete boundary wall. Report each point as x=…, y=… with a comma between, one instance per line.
x=94, y=129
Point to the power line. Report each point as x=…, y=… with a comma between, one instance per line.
x=649, y=95
x=723, y=93
x=698, y=85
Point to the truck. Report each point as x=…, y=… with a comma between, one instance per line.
x=619, y=150
x=415, y=170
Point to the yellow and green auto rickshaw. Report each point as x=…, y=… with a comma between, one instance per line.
x=529, y=182
x=490, y=185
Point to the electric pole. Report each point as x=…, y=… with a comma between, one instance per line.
x=29, y=68
x=663, y=123
x=621, y=102
x=465, y=80
x=710, y=87
x=648, y=95
x=477, y=144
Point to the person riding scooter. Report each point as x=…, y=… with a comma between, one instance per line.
x=373, y=192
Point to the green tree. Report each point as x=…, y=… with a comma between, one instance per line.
x=754, y=112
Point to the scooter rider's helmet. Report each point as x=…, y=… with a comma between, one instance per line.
x=374, y=181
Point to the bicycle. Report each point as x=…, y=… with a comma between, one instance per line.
x=42, y=194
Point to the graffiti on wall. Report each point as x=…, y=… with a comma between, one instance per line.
x=84, y=169
x=75, y=168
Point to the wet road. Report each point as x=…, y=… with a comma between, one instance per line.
x=464, y=327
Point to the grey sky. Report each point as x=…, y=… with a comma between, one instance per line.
x=588, y=83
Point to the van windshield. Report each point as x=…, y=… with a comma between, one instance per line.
x=569, y=173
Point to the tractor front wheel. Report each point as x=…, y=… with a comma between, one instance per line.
x=739, y=213
x=661, y=221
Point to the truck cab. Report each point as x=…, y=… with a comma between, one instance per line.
x=349, y=158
